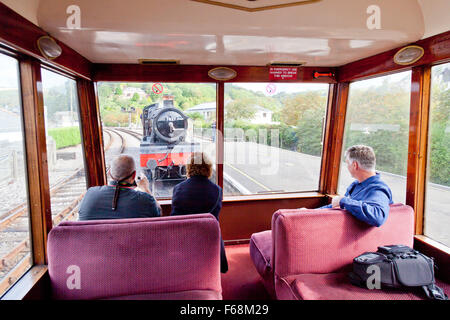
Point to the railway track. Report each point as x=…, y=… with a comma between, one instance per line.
x=66, y=195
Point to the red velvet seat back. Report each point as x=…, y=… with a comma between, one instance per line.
x=116, y=258
x=327, y=240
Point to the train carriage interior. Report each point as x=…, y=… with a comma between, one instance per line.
x=273, y=92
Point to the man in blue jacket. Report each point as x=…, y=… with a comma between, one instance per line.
x=120, y=200
x=368, y=198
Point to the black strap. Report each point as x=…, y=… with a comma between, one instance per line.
x=434, y=292
x=118, y=184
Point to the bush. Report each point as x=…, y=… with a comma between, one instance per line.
x=65, y=137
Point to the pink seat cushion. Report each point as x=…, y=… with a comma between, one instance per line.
x=336, y=286
x=182, y=295
x=261, y=255
x=261, y=252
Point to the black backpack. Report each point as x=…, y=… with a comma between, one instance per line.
x=399, y=266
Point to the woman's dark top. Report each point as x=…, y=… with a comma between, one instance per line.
x=199, y=195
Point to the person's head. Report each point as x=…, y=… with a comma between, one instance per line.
x=360, y=161
x=122, y=167
x=199, y=164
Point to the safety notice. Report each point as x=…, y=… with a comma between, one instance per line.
x=282, y=73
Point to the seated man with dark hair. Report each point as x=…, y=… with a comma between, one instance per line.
x=368, y=198
x=119, y=200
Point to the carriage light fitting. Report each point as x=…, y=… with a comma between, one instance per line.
x=48, y=47
x=408, y=55
x=222, y=73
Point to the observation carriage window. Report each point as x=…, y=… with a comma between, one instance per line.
x=378, y=116
x=273, y=137
x=159, y=125
x=15, y=248
x=437, y=202
x=65, y=154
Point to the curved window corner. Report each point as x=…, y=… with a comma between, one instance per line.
x=437, y=201
x=378, y=116
x=273, y=137
x=159, y=123
x=15, y=242
x=65, y=155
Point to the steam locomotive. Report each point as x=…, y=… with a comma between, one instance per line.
x=164, y=149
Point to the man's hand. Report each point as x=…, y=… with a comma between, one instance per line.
x=143, y=184
x=335, y=202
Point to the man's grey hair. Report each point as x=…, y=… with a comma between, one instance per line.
x=364, y=155
x=122, y=167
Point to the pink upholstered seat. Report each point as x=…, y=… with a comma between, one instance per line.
x=261, y=255
x=158, y=258
x=336, y=286
x=320, y=242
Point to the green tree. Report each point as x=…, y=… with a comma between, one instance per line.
x=135, y=97
x=243, y=109
x=294, y=107
x=309, y=132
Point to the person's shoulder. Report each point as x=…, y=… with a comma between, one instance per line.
x=144, y=196
x=182, y=184
x=92, y=191
x=380, y=183
x=212, y=184
x=354, y=182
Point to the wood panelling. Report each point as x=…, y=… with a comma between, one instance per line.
x=21, y=34
x=439, y=252
x=92, y=133
x=437, y=48
x=220, y=115
x=196, y=73
x=240, y=217
x=326, y=139
x=34, y=285
x=337, y=108
x=36, y=155
x=418, y=142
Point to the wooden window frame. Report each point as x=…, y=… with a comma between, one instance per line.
x=36, y=156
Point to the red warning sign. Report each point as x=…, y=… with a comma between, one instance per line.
x=157, y=88
x=283, y=73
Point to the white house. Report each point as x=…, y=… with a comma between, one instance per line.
x=129, y=92
x=262, y=115
x=207, y=109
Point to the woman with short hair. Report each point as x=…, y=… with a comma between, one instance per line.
x=199, y=195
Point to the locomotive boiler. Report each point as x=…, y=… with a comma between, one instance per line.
x=165, y=149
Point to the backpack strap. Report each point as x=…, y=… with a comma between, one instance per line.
x=434, y=292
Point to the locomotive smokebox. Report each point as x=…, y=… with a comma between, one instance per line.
x=164, y=149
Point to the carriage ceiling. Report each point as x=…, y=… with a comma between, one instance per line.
x=240, y=32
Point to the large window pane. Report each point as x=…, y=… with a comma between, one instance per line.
x=378, y=116
x=273, y=137
x=15, y=255
x=123, y=106
x=64, y=148
x=437, y=213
